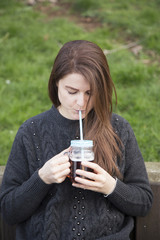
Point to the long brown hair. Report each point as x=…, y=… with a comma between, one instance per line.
x=88, y=59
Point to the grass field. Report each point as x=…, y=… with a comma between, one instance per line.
x=127, y=31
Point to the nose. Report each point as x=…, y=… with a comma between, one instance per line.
x=81, y=100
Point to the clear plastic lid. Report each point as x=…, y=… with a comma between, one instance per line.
x=81, y=143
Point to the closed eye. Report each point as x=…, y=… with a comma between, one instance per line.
x=72, y=92
x=88, y=93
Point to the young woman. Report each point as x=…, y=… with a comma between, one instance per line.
x=36, y=193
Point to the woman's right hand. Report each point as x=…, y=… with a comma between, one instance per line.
x=56, y=169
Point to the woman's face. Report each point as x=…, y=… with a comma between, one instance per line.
x=74, y=95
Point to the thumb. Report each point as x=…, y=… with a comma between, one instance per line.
x=65, y=151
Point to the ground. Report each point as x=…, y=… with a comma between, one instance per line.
x=58, y=9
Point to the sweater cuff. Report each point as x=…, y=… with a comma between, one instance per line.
x=120, y=193
x=37, y=185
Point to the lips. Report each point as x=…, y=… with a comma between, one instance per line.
x=80, y=110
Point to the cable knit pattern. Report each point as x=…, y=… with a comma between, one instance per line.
x=60, y=211
x=51, y=229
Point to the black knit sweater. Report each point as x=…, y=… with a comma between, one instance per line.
x=60, y=211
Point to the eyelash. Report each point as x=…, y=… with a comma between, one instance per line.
x=72, y=93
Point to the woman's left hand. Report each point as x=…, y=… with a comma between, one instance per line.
x=98, y=180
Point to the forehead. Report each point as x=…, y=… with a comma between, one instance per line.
x=75, y=80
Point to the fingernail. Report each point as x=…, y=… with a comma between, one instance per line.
x=65, y=153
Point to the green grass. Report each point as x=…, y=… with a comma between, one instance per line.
x=29, y=42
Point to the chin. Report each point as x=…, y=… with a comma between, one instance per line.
x=75, y=117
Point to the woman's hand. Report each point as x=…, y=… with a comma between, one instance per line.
x=99, y=180
x=56, y=169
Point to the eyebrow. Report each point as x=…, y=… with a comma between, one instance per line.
x=71, y=88
x=74, y=89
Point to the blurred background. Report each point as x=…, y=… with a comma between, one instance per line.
x=31, y=34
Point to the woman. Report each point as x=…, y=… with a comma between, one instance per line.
x=36, y=193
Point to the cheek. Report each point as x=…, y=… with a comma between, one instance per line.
x=62, y=95
x=65, y=99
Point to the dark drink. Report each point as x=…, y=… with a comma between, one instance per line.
x=77, y=165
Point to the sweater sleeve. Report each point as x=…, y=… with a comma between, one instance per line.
x=133, y=195
x=21, y=192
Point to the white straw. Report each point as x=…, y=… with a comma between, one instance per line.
x=80, y=124
x=81, y=135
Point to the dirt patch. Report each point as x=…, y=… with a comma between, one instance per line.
x=58, y=9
